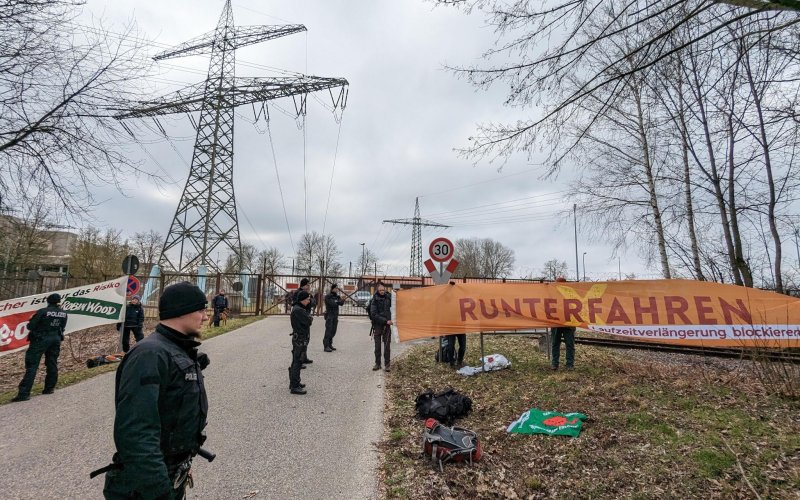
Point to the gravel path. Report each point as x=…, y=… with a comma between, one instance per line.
x=269, y=444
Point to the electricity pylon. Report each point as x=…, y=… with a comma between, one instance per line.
x=416, y=223
x=206, y=216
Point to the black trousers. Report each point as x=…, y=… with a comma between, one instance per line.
x=331, y=325
x=50, y=347
x=382, y=334
x=298, y=350
x=462, y=347
x=126, y=336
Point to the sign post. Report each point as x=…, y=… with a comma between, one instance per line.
x=441, y=250
x=130, y=265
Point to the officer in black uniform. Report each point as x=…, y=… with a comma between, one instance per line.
x=332, y=302
x=45, y=333
x=301, y=333
x=134, y=322
x=161, y=404
x=380, y=312
x=305, y=286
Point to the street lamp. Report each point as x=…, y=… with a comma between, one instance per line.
x=584, y=266
x=363, y=259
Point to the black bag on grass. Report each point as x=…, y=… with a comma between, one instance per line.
x=445, y=406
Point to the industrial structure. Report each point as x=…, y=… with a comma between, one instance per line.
x=206, y=221
x=416, y=223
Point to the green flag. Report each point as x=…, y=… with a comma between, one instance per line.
x=535, y=421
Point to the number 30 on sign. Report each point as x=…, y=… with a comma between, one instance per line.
x=441, y=250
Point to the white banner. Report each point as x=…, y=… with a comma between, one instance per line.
x=86, y=306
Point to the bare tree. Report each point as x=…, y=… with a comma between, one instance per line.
x=483, y=257
x=59, y=83
x=367, y=262
x=270, y=261
x=147, y=247
x=318, y=255
x=468, y=251
x=543, y=43
x=24, y=239
x=553, y=269
x=96, y=254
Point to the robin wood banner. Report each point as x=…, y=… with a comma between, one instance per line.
x=672, y=311
x=86, y=306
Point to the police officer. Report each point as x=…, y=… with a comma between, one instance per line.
x=305, y=286
x=134, y=322
x=45, y=333
x=380, y=311
x=219, y=303
x=161, y=404
x=332, y=303
x=301, y=321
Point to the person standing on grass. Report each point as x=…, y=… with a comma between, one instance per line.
x=567, y=333
x=134, y=322
x=380, y=312
x=45, y=333
x=219, y=303
x=332, y=303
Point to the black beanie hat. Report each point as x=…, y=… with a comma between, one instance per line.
x=53, y=298
x=334, y=287
x=179, y=299
x=302, y=295
x=303, y=282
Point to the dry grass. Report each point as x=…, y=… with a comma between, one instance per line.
x=655, y=429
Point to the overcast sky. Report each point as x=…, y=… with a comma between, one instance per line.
x=404, y=117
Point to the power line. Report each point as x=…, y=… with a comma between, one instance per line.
x=330, y=186
x=280, y=187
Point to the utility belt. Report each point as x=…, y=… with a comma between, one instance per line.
x=179, y=467
x=297, y=340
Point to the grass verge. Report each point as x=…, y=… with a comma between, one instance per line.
x=66, y=378
x=656, y=429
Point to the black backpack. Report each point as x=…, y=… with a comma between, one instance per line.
x=445, y=406
x=446, y=352
x=367, y=307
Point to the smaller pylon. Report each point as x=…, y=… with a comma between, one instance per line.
x=416, y=223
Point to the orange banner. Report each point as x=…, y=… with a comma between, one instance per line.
x=672, y=311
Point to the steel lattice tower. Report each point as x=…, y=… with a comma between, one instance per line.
x=416, y=223
x=206, y=218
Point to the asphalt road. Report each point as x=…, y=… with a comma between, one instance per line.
x=269, y=443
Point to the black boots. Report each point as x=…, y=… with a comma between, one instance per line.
x=297, y=390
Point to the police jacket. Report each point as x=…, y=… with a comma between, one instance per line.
x=219, y=302
x=47, y=322
x=332, y=303
x=134, y=315
x=161, y=409
x=301, y=323
x=380, y=309
x=311, y=304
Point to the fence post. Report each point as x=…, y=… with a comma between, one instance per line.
x=259, y=294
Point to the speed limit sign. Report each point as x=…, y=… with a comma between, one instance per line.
x=441, y=250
